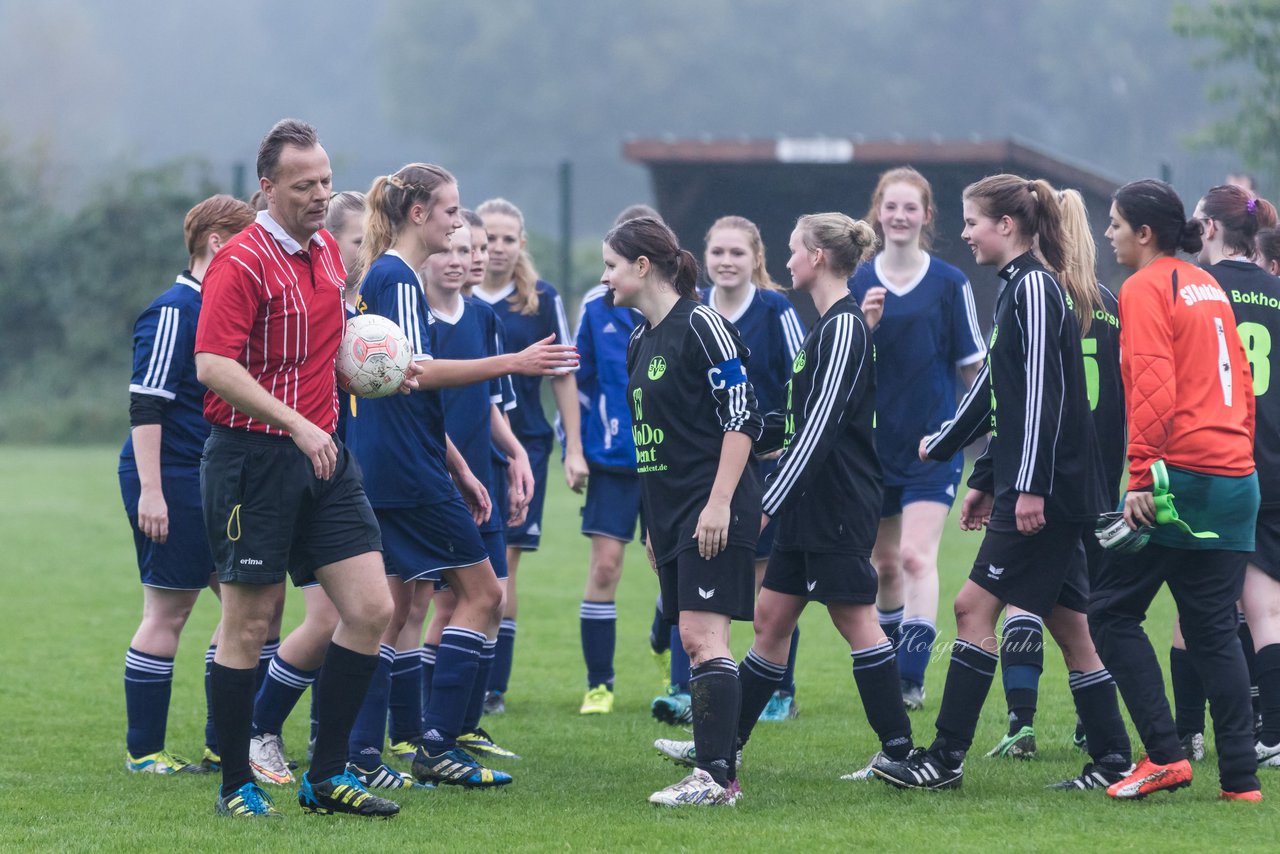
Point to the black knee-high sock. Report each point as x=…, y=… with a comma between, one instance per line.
x=231, y=701
x=1099, y=710
x=1188, y=693
x=1251, y=661
x=339, y=692
x=875, y=670
x=715, y=695
x=759, y=678
x=968, y=681
x=1021, y=663
x=1267, y=663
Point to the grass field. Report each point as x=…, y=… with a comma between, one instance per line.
x=69, y=602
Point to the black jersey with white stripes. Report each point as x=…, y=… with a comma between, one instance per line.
x=1031, y=396
x=1255, y=299
x=826, y=490
x=687, y=387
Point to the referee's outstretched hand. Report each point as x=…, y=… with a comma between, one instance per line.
x=543, y=358
x=319, y=448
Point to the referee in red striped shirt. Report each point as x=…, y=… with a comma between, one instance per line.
x=281, y=495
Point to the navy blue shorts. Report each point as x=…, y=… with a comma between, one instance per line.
x=421, y=542
x=613, y=505
x=183, y=561
x=528, y=535
x=897, y=497
x=822, y=577
x=495, y=543
x=267, y=514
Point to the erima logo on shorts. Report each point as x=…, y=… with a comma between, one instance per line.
x=811, y=585
x=706, y=594
x=250, y=561
x=994, y=572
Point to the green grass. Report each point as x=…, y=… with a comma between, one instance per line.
x=69, y=602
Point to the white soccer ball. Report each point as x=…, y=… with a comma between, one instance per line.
x=373, y=356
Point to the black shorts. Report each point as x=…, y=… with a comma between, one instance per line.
x=822, y=576
x=1266, y=542
x=726, y=584
x=1035, y=573
x=268, y=515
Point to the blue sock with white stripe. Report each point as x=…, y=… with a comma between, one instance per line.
x=890, y=623
x=210, y=734
x=268, y=652
x=875, y=670
x=1099, y=710
x=369, y=732
x=475, y=706
x=148, y=684
x=504, y=655
x=599, y=630
x=969, y=680
x=659, y=629
x=915, y=647
x=457, y=665
x=280, y=692
x=404, y=702
x=428, y=655
x=680, y=666
x=1021, y=663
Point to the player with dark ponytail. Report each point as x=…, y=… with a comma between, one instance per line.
x=1035, y=489
x=694, y=420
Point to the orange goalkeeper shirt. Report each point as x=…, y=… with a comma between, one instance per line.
x=1186, y=378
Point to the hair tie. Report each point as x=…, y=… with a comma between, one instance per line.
x=1252, y=207
x=1031, y=186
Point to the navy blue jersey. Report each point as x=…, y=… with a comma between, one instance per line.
x=826, y=490
x=471, y=334
x=346, y=402
x=164, y=366
x=399, y=440
x=1255, y=299
x=603, y=333
x=929, y=328
x=772, y=332
x=528, y=420
x=688, y=387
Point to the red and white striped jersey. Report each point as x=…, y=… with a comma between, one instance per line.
x=277, y=309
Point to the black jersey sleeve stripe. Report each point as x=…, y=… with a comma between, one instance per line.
x=972, y=419
x=712, y=330
x=1034, y=332
x=792, y=333
x=830, y=393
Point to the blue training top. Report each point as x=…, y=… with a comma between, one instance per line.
x=603, y=333
x=528, y=420
x=399, y=440
x=929, y=328
x=164, y=366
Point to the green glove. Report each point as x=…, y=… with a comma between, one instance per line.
x=1166, y=514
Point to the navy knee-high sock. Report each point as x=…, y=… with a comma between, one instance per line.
x=210, y=733
x=369, y=731
x=428, y=653
x=968, y=680
x=475, y=706
x=457, y=664
x=1021, y=663
x=1188, y=693
x=339, y=694
x=278, y=694
x=680, y=666
x=659, y=630
x=715, y=696
x=598, y=626
x=268, y=652
x=915, y=648
x=875, y=670
x=1099, y=711
x=891, y=623
x=504, y=655
x=404, y=702
x=148, y=684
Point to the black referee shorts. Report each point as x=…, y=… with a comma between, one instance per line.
x=268, y=515
x=1266, y=555
x=1038, y=572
